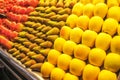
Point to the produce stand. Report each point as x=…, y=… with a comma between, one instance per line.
x=59, y=40
x=16, y=68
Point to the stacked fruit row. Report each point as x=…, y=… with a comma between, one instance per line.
x=88, y=47
x=37, y=37
x=16, y=12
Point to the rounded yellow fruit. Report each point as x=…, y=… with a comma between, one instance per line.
x=76, y=66
x=90, y=72
x=68, y=47
x=103, y=41
x=111, y=3
x=115, y=44
x=110, y=26
x=57, y=74
x=76, y=35
x=58, y=44
x=96, y=56
x=82, y=22
x=88, y=10
x=119, y=1
x=118, y=30
x=46, y=69
x=71, y=20
x=107, y=75
x=65, y=32
x=85, y=1
x=100, y=7
x=98, y=1
x=78, y=9
x=88, y=38
x=53, y=56
x=69, y=76
x=112, y=62
x=81, y=51
x=114, y=12
x=95, y=23
x=64, y=61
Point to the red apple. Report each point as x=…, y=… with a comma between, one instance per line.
x=5, y=42
x=33, y=3
x=14, y=9
x=13, y=26
x=13, y=17
x=22, y=10
x=29, y=9
x=17, y=18
x=24, y=18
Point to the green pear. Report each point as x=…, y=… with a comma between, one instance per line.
x=65, y=11
x=25, y=59
x=46, y=29
x=60, y=3
x=45, y=51
x=46, y=44
x=12, y=50
x=20, y=56
x=53, y=31
x=38, y=58
x=36, y=67
x=34, y=13
x=52, y=37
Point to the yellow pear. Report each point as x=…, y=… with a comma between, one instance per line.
x=115, y=44
x=64, y=61
x=112, y=62
x=78, y=9
x=58, y=44
x=81, y=51
x=103, y=41
x=107, y=75
x=71, y=20
x=88, y=9
x=53, y=56
x=57, y=74
x=110, y=26
x=77, y=66
x=118, y=30
x=90, y=72
x=68, y=47
x=114, y=12
x=67, y=3
x=46, y=69
x=100, y=7
x=76, y=35
x=65, y=32
x=96, y=56
x=83, y=22
x=88, y=38
x=98, y=1
x=85, y=1
x=69, y=76
x=95, y=23
x=111, y=3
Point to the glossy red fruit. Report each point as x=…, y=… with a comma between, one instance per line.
x=24, y=18
x=22, y=10
x=7, y=33
x=33, y=3
x=5, y=42
x=17, y=18
x=29, y=9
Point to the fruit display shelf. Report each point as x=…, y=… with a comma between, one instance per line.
x=15, y=65
x=58, y=37
x=12, y=14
